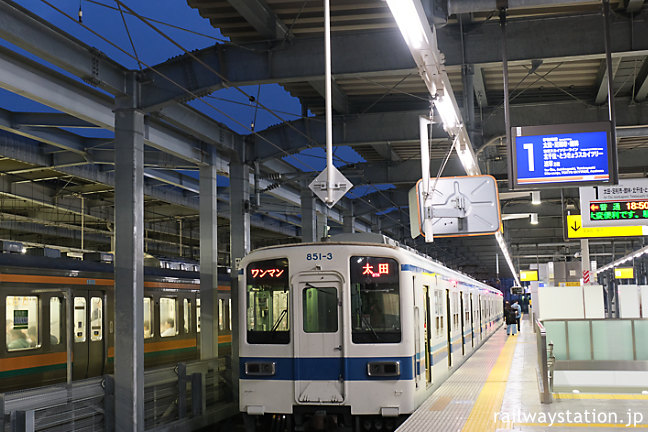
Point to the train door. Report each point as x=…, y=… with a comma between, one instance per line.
x=318, y=342
x=88, y=350
x=449, y=329
x=462, y=322
x=427, y=333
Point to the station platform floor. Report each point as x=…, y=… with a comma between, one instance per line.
x=496, y=390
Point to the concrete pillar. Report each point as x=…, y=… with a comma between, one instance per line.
x=308, y=216
x=129, y=263
x=239, y=247
x=208, y=262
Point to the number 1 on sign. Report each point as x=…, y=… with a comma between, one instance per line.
x=529, y=148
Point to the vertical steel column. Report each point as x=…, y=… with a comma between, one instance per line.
x=507, y=108
x=129, y=263
x=208, y=262
x=239, y=247
x=610, y=89
x=308, y=216
x=348, y=219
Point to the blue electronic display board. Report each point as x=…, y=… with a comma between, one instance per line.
x=547, y=156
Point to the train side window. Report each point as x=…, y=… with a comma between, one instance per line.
x=96, y=319
x=148, y=318
x=221, y=314
x=79, y=319
x=198, y=315
x=22, y=323
x=186, y=303
x=56, y=324
x=168, y=317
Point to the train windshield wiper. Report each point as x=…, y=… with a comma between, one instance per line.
x=366, y=322
x=275, y=326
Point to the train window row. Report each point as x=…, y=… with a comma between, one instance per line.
x=24, y=325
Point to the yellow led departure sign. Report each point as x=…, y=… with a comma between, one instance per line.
x=528, y=275
x=624, y=273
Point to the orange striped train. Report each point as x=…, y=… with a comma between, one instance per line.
x=39, y=323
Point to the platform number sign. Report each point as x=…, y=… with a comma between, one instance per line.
x=548, y=156
x=21, y=319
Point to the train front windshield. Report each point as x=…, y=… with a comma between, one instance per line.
x=267, y=302
x=375, y=300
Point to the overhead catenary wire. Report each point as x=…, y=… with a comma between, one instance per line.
x=153, y=69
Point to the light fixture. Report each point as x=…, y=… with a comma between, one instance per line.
x=534, y=218
x=535, y=198
x=409, y=22
x=447, y=112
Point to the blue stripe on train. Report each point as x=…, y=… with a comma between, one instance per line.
x=326, y=369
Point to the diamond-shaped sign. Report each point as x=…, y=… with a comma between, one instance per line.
x=341, y=185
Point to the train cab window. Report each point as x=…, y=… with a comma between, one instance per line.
x=186, y=303
x=56, y=324
x=148, y=317
x=267, y=289
x=375, y=300
x=198, y=315
x=22, y=323
x=96, y=319
x=79, y=319
x=168, y=317
x=320, y=309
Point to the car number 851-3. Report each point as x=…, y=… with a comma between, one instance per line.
x=319, y=256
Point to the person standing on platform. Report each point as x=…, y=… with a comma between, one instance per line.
x=518, y=314
x=511, y=322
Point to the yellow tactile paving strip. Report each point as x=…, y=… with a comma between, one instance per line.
x=489, y=401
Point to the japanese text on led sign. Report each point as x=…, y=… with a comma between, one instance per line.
x=368, y=269
x=619, y=210
x=565, y=157
x=266, y=273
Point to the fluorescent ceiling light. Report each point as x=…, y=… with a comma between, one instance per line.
x=534, y=218
x=535, y=198
x=447, y=111
x=409, y=22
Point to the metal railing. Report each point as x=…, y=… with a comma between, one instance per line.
x=183, y=397
x=543, y=371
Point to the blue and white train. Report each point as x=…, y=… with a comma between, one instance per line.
x=352, y=334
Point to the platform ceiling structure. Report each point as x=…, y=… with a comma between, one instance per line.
x=54, y=176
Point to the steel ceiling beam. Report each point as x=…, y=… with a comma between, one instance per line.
x=261, y=16
x=340, y=100
x=27, y=30
x=602, y=94
x=363, y=54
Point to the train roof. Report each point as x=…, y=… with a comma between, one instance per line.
x=13, y=260
x=374, y=239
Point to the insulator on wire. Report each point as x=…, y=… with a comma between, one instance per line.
x=80, y=14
